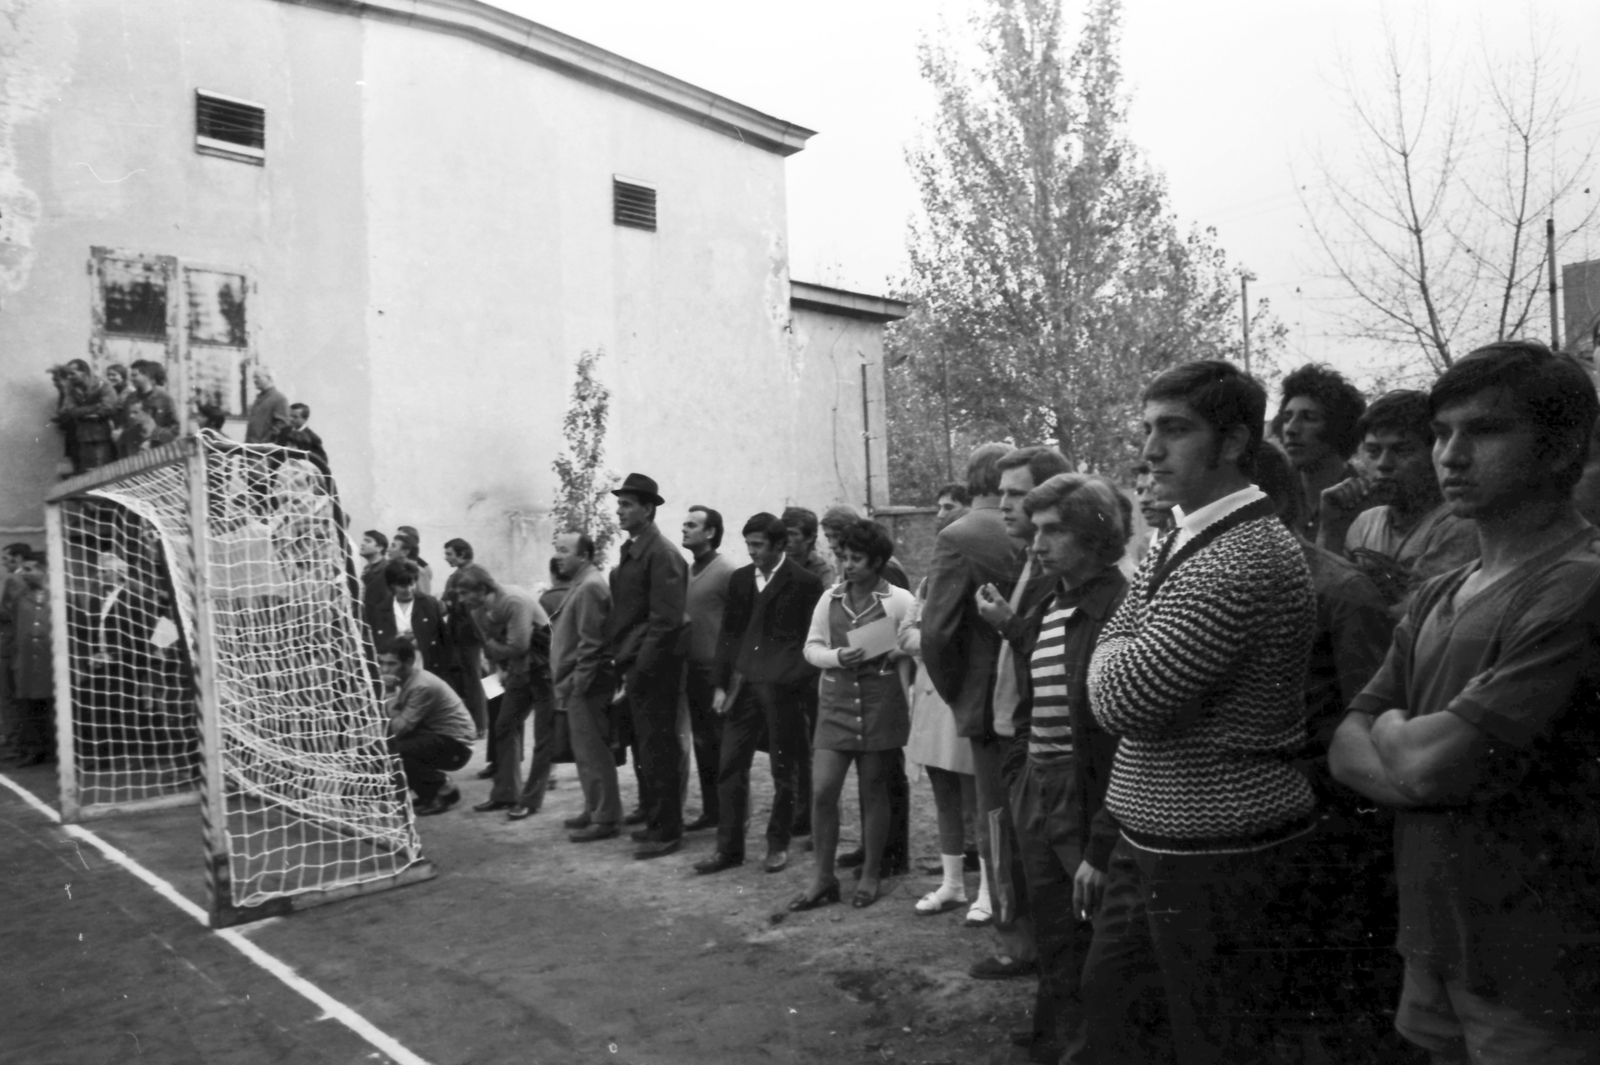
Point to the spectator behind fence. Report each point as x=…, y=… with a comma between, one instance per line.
x=1480, y=728
x=428, y=727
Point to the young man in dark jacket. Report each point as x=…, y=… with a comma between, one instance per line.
x=764, y=629
x=1058, y=762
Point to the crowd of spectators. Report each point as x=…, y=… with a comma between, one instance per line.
x=1336, y=701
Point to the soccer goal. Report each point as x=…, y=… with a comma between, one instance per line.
x=209, y=648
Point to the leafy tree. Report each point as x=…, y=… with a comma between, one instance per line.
x=1434, y=228
x=1052, y=279
x=584, y=502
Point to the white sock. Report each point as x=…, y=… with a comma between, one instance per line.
x=981, y=903
x=955, y=884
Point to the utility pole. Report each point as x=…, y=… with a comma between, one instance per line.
x=1244, y=302
x=1550, y=253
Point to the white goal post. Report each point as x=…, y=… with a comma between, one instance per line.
x=209, y=647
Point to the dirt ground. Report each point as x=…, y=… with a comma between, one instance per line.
x=525, y=948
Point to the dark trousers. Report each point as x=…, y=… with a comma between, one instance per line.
x=544, y=735
x=469, y=687
x=427, y=757
x=1044, y=810
x=653, y=702
x=1210, y=937
x=491, y=715
x=699, y=690
x=506, y=739
x=777, y=710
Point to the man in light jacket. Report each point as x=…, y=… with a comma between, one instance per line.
x=584, y=683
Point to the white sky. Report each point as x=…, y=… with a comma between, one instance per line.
x=1229, y=99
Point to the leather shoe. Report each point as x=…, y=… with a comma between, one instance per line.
x=717, y=863
x=699, y=824
x=640, y=835
x=777, y=860
x=658, y=850
x=486, y=773
x=492, y=804
x=435, y=805
x=519, y=811
x=850, y=859
x=574, y=823
x=594, y=833
x=634, y=816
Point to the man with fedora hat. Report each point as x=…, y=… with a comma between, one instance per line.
x=643, y=636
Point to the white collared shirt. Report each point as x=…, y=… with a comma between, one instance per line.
x=1188, y=526
x=762, y=580
x=402, y=617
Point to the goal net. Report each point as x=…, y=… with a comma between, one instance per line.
x=209, y=647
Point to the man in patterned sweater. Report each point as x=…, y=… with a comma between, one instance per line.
x=1201, y=673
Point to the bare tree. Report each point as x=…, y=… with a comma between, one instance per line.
x=1434, y=226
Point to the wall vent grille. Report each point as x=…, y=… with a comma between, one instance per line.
x=230, y=128
x=633, y=205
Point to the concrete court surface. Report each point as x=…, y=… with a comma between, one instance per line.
x=526, y=948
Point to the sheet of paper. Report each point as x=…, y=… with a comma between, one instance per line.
x=492, y=686
x=164, y=635
x=875, y=639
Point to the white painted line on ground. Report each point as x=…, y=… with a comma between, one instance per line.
x=330, y=1006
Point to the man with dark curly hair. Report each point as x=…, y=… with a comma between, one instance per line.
x=1316, y=422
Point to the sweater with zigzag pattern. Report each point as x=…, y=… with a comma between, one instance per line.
x=1201, y=673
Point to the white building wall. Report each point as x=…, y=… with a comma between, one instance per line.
x=432, y=244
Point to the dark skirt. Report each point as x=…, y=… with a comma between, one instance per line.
x=861, y=710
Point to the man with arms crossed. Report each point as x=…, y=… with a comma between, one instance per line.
x=1201, y=676
x=1481, y=729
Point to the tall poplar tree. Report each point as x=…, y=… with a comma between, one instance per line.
x=1051, y=277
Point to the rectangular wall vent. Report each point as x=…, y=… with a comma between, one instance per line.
x=633, y=204
x=230, y=128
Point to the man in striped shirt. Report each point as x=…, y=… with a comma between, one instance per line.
x=1059, y=761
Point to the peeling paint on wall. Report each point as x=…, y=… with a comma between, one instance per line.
x=37, y=47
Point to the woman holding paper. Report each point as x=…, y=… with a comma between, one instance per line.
x=859, y=634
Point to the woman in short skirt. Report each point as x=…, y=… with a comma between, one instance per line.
x=863, y=709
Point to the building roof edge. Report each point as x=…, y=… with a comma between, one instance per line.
x=843, y=302
x=526, y=39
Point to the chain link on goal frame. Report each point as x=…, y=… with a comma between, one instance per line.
x=209, y=646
